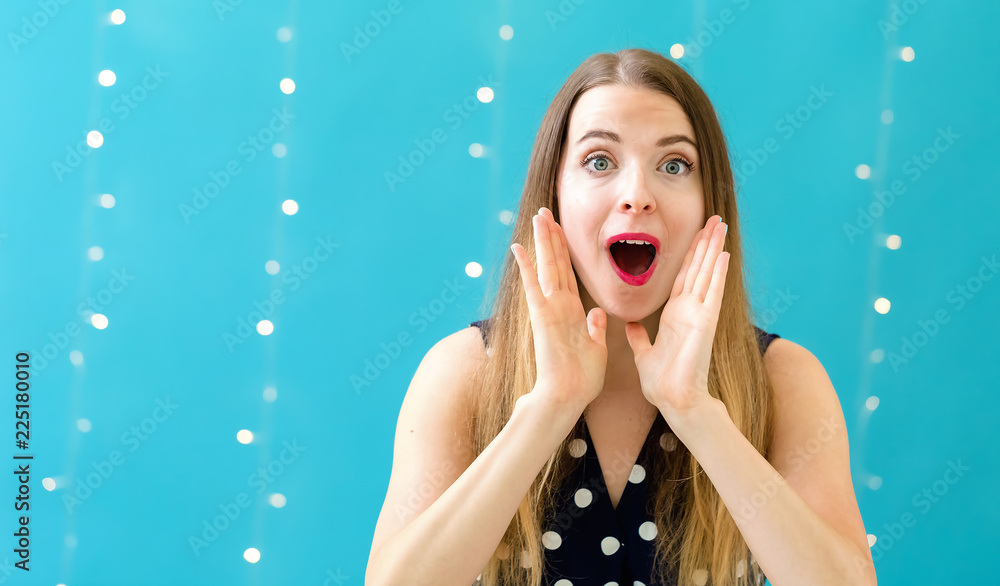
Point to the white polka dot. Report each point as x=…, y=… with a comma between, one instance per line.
x=637, y=475
x=741, y=568
x=551, y=540
x=700, y=577
x=577, y=448
x=583, y=497
x=611, y=584
x=610, y=545
x=668, y=441
x=647, y=531
x=563, y=582
x=638, y=583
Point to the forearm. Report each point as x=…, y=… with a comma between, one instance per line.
x=450, y=542
x=792, y=544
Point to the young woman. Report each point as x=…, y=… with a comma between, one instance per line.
x=619, y=420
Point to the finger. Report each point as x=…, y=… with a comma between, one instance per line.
x=557, y=248
x=638, y=337
x=704, y=279
x=682, y=273
x=566, y=265
x=699, y=254
x=532, y=290
x=714, y=296
x=543, y=256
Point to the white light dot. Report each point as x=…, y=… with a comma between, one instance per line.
x=485, y=95
x=875, y=482
x=907, y=54
x=506, y=217
x=877, y=355
x=76, y=357
x=893, y=242
x=83, y=425
x=700, y=577
x=610, y=545
x=117, y=16
x=871, y=540
x=95, y=139
x=270, y=394
x=277, y=500
x=244, y=436
x=48, y=484
x=108, y=200
x=863, y=171
x=272, y=267
x=882, y=305
x=525, y=559
x=638, y=474
x=70, y=541
x=677, y=50
x=287, y=85
x=106, y=78
x=583, y=498
x=506, y=32
x=95, y=253
x=290, y=207
x=284, y=34
x=647, y=531
x=577, y=448
x=476, y=150
x=252, y=555
x=741, y=568
x=99, y=321
x=886, y=116
x=279, y=150
x=872, y=403
x=551, y=540
x=265, y=327
x=473, y=269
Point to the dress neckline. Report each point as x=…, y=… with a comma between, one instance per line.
x=634, y=472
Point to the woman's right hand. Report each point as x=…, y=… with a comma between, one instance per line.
x=571, y=352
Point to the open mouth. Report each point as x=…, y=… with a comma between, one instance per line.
x=632, y=259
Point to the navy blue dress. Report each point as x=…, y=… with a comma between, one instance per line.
x=588, y=542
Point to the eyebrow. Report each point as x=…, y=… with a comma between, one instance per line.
x=663, y=142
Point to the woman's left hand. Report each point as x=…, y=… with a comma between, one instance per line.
x=674, y=370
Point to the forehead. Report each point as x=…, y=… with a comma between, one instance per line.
x=635, y=114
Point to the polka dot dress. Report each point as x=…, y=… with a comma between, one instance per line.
x=588, y=542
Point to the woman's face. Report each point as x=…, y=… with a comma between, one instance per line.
x=637, y=177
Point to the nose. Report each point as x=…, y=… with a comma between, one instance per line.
x=635, y=194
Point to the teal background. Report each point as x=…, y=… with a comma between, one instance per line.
x=395, y=251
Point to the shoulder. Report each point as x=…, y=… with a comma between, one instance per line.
x=452, y=362
x=801, y=385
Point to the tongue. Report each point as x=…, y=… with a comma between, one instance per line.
x=634, y=259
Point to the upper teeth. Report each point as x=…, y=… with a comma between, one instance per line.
x=635, y=242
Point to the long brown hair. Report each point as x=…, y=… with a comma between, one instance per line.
x=696, y=535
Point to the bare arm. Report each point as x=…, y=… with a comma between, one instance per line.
x=449, y=539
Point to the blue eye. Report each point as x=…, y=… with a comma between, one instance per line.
x=673, y=165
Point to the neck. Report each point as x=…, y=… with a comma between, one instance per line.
x=621, y=374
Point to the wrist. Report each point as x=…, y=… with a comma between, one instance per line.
x=686, y=424
x=559, y=414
